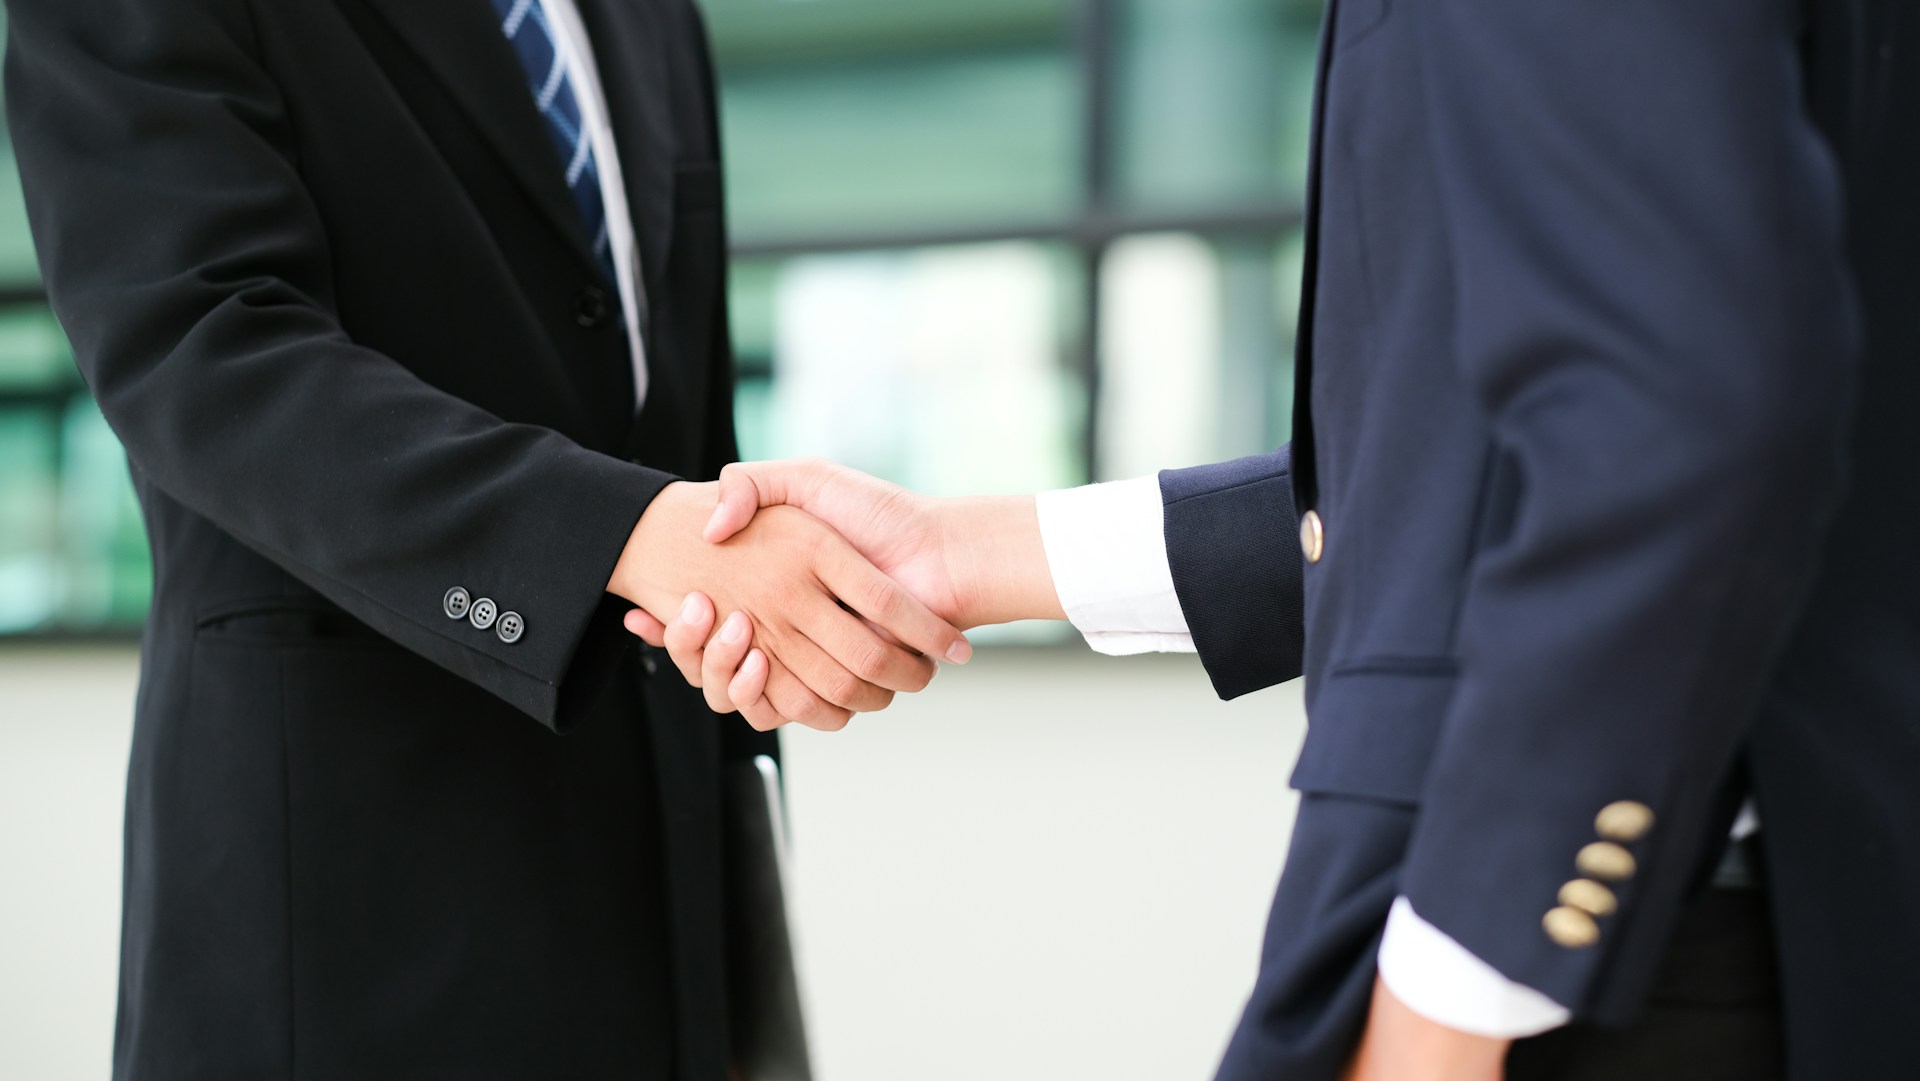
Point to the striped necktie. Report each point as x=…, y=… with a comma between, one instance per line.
x=524, y=22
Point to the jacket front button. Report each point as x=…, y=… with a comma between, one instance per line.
x=1570, y=927
x=1605, y=860
x=648, y=662
x=456, y=603
x=510, y=627
x=1313, y=537
x=483, y=614
x=590, y=308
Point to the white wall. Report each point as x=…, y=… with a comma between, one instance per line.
x=1049, y=865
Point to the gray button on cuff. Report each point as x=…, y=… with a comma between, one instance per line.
x=510, y=627
x=456, y=603
x=483, y=614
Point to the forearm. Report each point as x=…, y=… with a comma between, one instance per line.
x=1401, y=1045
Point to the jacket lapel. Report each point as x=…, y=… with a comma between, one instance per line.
x=630, y=44
x=463, y=46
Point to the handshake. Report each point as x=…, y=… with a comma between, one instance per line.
x=807, y=592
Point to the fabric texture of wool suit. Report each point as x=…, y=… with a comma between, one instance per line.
x=1599, y=519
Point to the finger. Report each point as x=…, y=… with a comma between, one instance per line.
x=864, y=652
x=759, y=712
x=750, y=682
x=746, y=487
x=886, y=603
x=803, y=682
x=724, y=653
x=641, y=624
x=802, y=645
x=739, y=500
x=687, y=635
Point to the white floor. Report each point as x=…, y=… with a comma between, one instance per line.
x=1049, y=865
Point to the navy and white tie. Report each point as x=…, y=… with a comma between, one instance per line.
x=524, y=22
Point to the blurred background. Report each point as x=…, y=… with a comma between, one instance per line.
x=1028, y=243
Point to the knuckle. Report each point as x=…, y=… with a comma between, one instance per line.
x=816, y=547
x=806, y=710
x=815, y=713
x=871, y=662
x=881, y=598
x=844, y=689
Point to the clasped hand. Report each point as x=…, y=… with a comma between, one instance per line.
x=921, y=571
x=834, y=635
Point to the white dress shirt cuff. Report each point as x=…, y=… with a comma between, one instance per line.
x=1107, y=552
x=1439, y=980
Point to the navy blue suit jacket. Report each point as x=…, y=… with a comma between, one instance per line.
x=1576, y=372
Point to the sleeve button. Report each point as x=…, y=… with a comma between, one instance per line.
x=1589, y=896
x=483, y=614
x=1605, y=860
x=456, y=603
x=1570, y=927
x=1624, y=821
x=510, y=627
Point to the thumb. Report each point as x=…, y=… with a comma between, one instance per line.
x=746, y=487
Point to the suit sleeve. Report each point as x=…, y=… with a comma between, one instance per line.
x=1654, y=313
x=1231, y=544
x=191, y=270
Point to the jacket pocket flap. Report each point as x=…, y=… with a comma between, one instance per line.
x=1373, y=726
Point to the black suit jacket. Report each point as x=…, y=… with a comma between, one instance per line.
x=319, y=266
x=1577, y=373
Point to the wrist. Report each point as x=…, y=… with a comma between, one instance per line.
x=996, y=559
x=661, y=543
x=1400, y=1044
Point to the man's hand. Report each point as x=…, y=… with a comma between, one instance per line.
x=1401, y=1045
x=973, y=561
x=793, y=575
x=900, y=530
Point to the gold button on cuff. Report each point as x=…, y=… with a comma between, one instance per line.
x=1589, y=896
x=1625, y=821
x=1604, y=859
x=1570, y=927
x=1313, y=538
